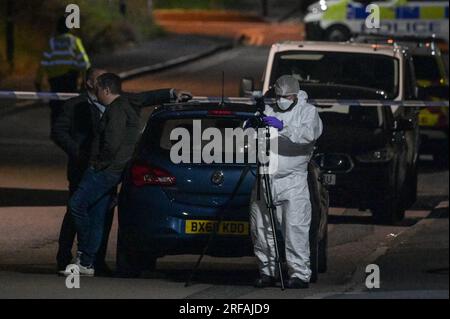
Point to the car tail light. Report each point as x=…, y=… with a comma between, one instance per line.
x=144, y=174
x=220, y=113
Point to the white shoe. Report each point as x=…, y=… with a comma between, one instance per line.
x=78, y=269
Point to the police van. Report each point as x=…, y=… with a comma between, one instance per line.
x=338, y=20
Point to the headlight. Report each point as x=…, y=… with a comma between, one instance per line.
x=318, y=7
x=378, y=156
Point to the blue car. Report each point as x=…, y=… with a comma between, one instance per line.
x=168, y=209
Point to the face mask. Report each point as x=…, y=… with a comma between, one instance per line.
x=284, y=104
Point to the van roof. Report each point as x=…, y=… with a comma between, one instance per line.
x=350, y=47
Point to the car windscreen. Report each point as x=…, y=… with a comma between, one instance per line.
x=345, y=75
x=352, y=116
x=426, y=68
x=163, y=134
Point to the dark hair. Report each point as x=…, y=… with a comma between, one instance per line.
x=90, y=72
x=110, y=81
x=61, y=26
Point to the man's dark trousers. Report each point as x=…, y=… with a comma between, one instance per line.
x=68, y=233
x=88, y=206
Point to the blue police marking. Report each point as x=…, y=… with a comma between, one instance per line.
x=401, y=13
x=407, y=13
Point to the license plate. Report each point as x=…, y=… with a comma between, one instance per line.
x=208, y=226
x=329, y=179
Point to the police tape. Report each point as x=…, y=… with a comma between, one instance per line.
x=37, y=96
x=49, y=96
x=328, y=102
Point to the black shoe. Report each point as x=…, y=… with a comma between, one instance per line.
x=265, y=281
x=296, y=283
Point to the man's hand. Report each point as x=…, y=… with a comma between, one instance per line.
x=182, y=96
x=274, y=122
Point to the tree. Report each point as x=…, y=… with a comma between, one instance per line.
x=9, y=30
x=265, y=7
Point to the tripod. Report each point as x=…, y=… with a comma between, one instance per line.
x=269, y=203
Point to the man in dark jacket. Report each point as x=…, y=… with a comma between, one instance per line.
x=112, y=147
x=73, y=131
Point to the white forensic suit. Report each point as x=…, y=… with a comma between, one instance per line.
x=289, y=187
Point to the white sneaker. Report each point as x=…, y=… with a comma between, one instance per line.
x=80, y=270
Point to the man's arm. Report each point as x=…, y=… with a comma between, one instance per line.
x=62, y=127
x=150, y=98
x=308, y=131
x=115, y=130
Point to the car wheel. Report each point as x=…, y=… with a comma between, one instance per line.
x=323, y=254
x=388, y=213
x=338, y=33
x=130, y=262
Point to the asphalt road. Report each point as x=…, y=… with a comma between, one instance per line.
x=33, y=194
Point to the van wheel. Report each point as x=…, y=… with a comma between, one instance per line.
x=323, y=254
x=410, y=189
x=388, y=213
x=338, y=33
x=314, y=259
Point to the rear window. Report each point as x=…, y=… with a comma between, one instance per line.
x=158, y=136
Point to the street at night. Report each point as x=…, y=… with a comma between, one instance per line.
x=411, y=253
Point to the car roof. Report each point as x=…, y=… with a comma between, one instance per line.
x=351, y=47
x=202, y=106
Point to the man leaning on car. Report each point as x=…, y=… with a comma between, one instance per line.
x=73, y=131
x=112, y=146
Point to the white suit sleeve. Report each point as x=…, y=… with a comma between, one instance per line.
x=307, y=131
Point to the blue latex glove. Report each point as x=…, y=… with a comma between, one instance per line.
x=274, y=122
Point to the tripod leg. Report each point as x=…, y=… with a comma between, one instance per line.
x=271, y=209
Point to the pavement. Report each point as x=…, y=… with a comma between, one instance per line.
x=245, y=29
x=415, y=265
x=161, y=53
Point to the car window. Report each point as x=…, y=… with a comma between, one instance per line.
x=158, y=133
x=346, y=75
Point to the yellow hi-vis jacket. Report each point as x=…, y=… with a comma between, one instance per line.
x=65, y=53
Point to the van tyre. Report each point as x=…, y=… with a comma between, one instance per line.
x=322, y=265
x=314, y=259
x=388, y=213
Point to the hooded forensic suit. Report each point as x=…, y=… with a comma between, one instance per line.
x=289, y=186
